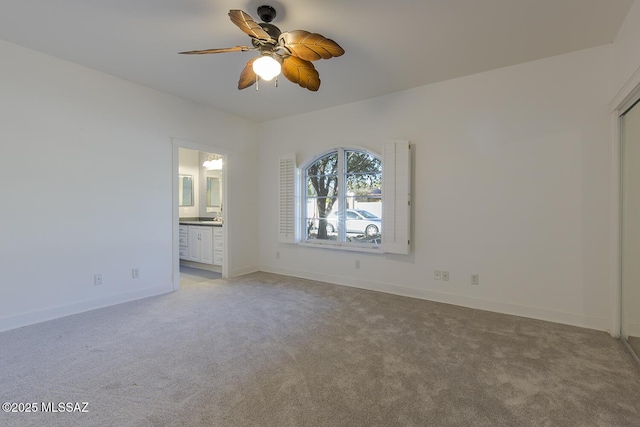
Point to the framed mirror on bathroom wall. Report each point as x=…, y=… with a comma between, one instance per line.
x=213, y=191
x=185, y=190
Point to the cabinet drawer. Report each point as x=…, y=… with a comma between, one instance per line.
x=217, y=259
x=183, y=253
x=218, y=232
x=218, y=244
x=183, y=228
x=184, y=240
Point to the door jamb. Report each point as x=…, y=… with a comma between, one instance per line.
x=176, y=144
x=628, y=94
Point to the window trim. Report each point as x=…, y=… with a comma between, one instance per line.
x=396, y=207
x=341, y=172
x=397, y=178
x=288, y=199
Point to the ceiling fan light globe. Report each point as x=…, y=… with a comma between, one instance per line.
x=266, y=67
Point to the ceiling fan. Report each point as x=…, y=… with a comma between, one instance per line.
x=290, y=52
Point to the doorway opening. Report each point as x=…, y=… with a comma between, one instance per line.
x=200, y=234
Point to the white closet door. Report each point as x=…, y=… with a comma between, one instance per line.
x=630, y=325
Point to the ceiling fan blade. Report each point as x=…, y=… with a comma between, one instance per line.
x=222, y=50
x=301, y=72
x=310, y=46
x=247, y=76
x=246, y=23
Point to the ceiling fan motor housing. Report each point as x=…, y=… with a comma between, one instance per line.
x=266, y=13
x=272, y=30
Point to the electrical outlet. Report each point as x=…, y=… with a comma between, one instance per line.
x=97, y=279
x=445, y=275
x=437, y=274
x=475, y=279
x=135, y=273
x=357, y=264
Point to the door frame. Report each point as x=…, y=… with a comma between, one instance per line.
x=624, y=99
x=176, y=144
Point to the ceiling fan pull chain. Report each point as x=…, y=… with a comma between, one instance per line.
x=257, y=80
x=276, y=81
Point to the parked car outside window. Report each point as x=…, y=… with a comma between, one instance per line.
x=358, y=221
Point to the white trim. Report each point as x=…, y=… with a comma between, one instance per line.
x=175, y=215
x=628, y=91
x=627, y=95
x=25, y=319
x=396, y=197
x=288, y=194
x=567, y=318
x=228, y=219
x=301, y=213
x=616, y=228
x=244, y=270
x=341, y=246
x=346, y=147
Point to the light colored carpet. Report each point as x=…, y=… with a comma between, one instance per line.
x=269, y=350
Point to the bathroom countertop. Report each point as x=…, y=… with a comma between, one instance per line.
x=210, y=223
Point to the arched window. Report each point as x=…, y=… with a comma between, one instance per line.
x=343, y=198
x=348, y=198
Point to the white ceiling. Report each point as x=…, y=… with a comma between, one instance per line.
x=390, y=45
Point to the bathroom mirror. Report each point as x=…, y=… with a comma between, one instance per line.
x=185, y=190
x=213, y=192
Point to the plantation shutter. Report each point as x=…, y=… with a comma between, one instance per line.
x=287, y=200
x=396, y=197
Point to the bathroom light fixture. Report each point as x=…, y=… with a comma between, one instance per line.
x=267, y=67
x=213, y=162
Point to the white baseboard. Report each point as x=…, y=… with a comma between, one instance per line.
x=243, y=270
x=25, y=319
x=573, y=319
x=633, y=328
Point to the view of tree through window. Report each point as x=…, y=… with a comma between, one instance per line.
x=343, y=197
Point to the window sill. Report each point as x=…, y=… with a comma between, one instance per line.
x=343, y=247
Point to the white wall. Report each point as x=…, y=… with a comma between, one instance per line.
x=512, y=173
x=626, y=54
x=189, y=165
x=86, y=182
